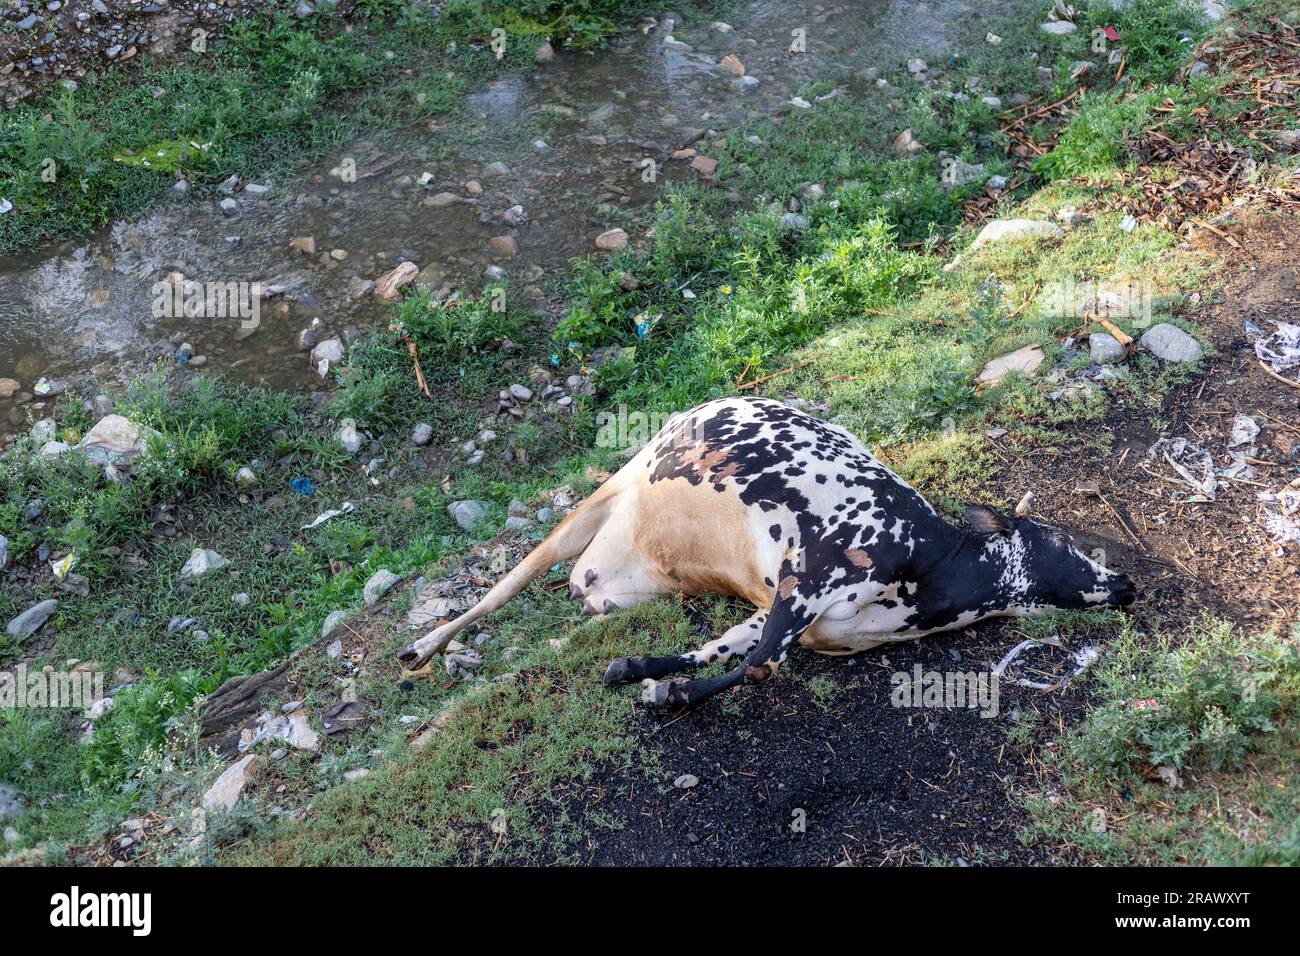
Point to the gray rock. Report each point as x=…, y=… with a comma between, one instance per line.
x=10, y=803
x=4, y=552
x=794, y=222
x=1169, y=343
x=1025, y=361
x=1002, y=229
x=544, y=515
x=330, y=350
x=229, y=208
x=115, y=440
x=31, y=620
x=467, y=513
x=422, y=434
x=521, y=392
x=332, y=620
x=380, y=583
x=518, y=523
x=1104, y=349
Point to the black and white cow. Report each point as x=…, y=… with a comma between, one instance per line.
x=753, y=498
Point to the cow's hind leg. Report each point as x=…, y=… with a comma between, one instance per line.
x=785, y=623
x=737, y=640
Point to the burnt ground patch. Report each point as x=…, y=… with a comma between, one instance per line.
x=882, y=785
x=875, y=784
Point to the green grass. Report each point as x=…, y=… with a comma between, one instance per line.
x=892, y=345
x=1225, y=703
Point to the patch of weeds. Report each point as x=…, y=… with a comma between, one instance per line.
x=1216, y=711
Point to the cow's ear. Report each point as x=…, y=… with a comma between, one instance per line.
x=985, y=520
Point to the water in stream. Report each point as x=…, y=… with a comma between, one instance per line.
x=89, y=305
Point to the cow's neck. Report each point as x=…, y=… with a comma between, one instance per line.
x=977, y=576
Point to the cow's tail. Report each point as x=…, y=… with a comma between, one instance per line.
x=569, y=539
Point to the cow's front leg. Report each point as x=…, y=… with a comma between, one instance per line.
x=787, y=620
x=740, y=639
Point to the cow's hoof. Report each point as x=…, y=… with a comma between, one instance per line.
x=609, y=606
x=590, y=578
x=412, y=659
x=575, y=592
x=616, y=672
x=655, y=693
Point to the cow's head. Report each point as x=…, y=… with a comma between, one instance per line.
x=1051, y=572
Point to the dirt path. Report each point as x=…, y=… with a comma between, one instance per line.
x=878, y=784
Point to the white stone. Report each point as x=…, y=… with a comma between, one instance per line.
x=223, y=794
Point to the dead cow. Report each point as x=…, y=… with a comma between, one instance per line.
x=753, y=498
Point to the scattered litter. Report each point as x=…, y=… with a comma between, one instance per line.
x=1128, y=223
x=1194, y=465
x=1084, y=658
x=63, y=567
x=5, y=206
x=346, y=508
x=1281, y=350
x=1151, y=704
x=342, y=717
x=303, y=486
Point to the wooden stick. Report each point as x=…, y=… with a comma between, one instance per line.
x=419, y=372
x=1122, y=337
x=1285, y=381
x=759, y=381
x=1018, y=309
x=1220, y=233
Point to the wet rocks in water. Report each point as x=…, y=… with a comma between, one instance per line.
x=731, y=63
x=611, y=239
x=704, y=165
x=31, y=620
x=505, y=245
x=1104, y=349
x=304, y=244
x=389, y=286
x=1169, y=343
x=467, y=513
x=380, y=583
x=1025, y=360
x=8, y=387
x=331, y=351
